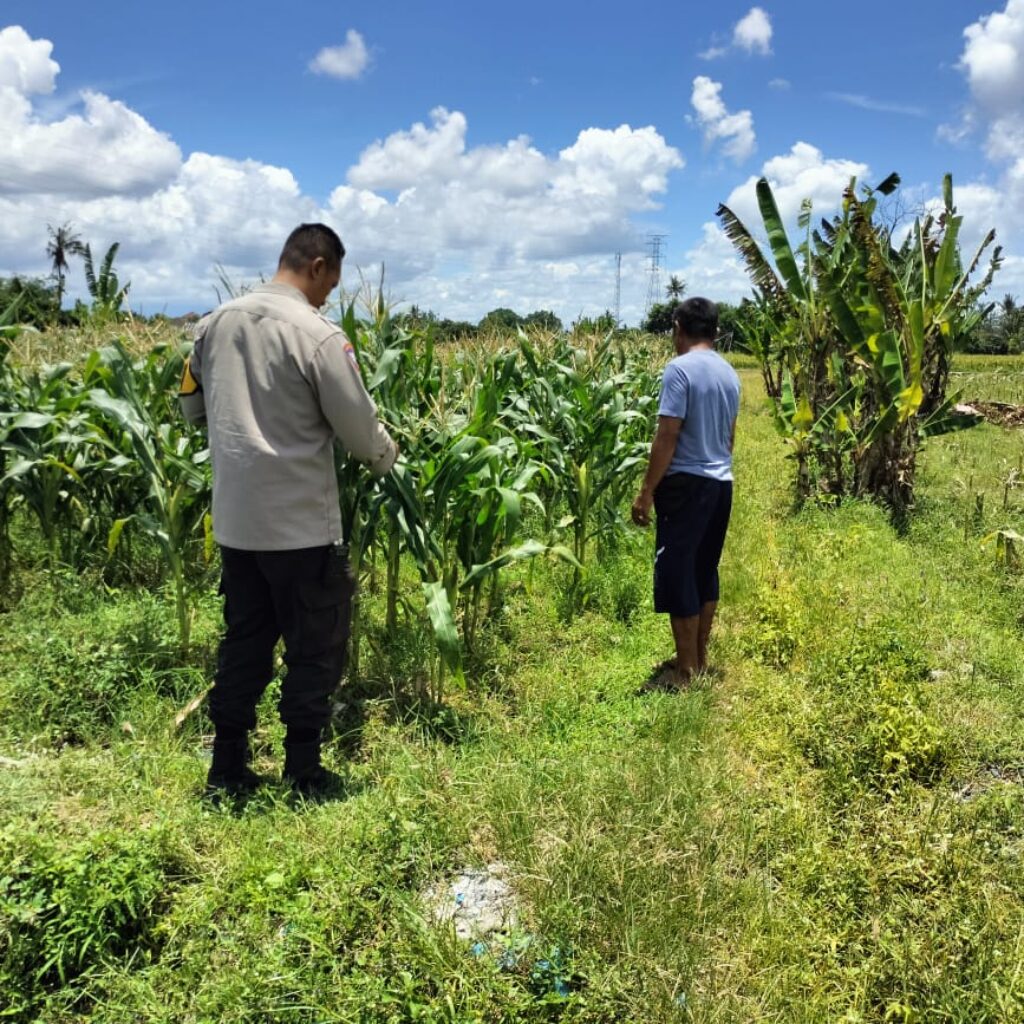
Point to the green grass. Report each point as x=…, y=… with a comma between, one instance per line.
x=790, y=843
x=989, y=378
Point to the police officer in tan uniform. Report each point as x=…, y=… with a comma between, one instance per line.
x=276, y=384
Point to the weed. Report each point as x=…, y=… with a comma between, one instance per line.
x=775, y=636
x=71, y=908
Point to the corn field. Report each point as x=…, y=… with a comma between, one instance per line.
x=511, y=451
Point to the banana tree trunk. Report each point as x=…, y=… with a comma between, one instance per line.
x=886, y=469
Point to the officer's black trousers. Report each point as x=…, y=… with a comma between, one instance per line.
x=305, y=596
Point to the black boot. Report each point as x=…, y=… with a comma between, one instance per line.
x=230, y=774
x=306, y=775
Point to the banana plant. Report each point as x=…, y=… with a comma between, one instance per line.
x=108, y=294
x=855, y=338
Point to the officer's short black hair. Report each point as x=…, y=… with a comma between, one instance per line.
x=697, y=318
x=309, y=242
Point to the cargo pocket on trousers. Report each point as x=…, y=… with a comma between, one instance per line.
x=326, y=606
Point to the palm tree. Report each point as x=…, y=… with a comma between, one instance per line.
x=62, y=244
x=675, y=288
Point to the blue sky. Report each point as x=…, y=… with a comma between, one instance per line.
x=549, y=135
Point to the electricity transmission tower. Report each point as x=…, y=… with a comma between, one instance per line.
x=618, y=288
x=654, y=243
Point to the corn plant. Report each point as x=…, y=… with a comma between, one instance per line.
x=586, y=424
x=49, y=442
x=8, y=331
x=498, y=440
x=129, y=402
x=397, y=376
x=454, y=502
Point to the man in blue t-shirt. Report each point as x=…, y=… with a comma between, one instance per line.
x=689, y=483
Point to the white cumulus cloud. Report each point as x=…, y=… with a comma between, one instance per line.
x=495, y=203
x=349, y=60
x=736, y=131
x=753, y=32
x=713, y=269
x=25, y=63
x=216, y=210
x=992, y=62
x=802, y=173
x=105, y=149
x=458, y=226
x=101, y=148
x=993, y=59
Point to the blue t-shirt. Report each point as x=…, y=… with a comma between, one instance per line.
x=702, y=390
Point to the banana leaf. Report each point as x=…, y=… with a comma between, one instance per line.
x=779, y=242
x=945, y=419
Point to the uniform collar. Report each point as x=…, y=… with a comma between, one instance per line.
x=277, y=288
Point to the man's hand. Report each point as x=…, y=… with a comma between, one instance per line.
x=642, y=509
x=662, y=450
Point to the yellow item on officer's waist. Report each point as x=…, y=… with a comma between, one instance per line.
x=189, y=385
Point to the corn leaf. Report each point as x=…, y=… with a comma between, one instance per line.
x=114, y=536
x=446, y=635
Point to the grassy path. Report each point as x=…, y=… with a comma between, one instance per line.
x=832, y=832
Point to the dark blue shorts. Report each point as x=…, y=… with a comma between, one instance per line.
x=692, y=516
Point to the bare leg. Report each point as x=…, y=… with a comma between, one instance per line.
x=685, y=632
x=707, y=616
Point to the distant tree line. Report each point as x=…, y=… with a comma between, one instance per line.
x=1001, y=332
x=501, y=321
x=39, y=301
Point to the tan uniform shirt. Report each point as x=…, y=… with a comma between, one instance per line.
x=276, y=382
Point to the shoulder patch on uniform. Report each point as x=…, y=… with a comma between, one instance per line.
x=350, y=351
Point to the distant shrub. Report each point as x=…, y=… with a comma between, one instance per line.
x=31, y=300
